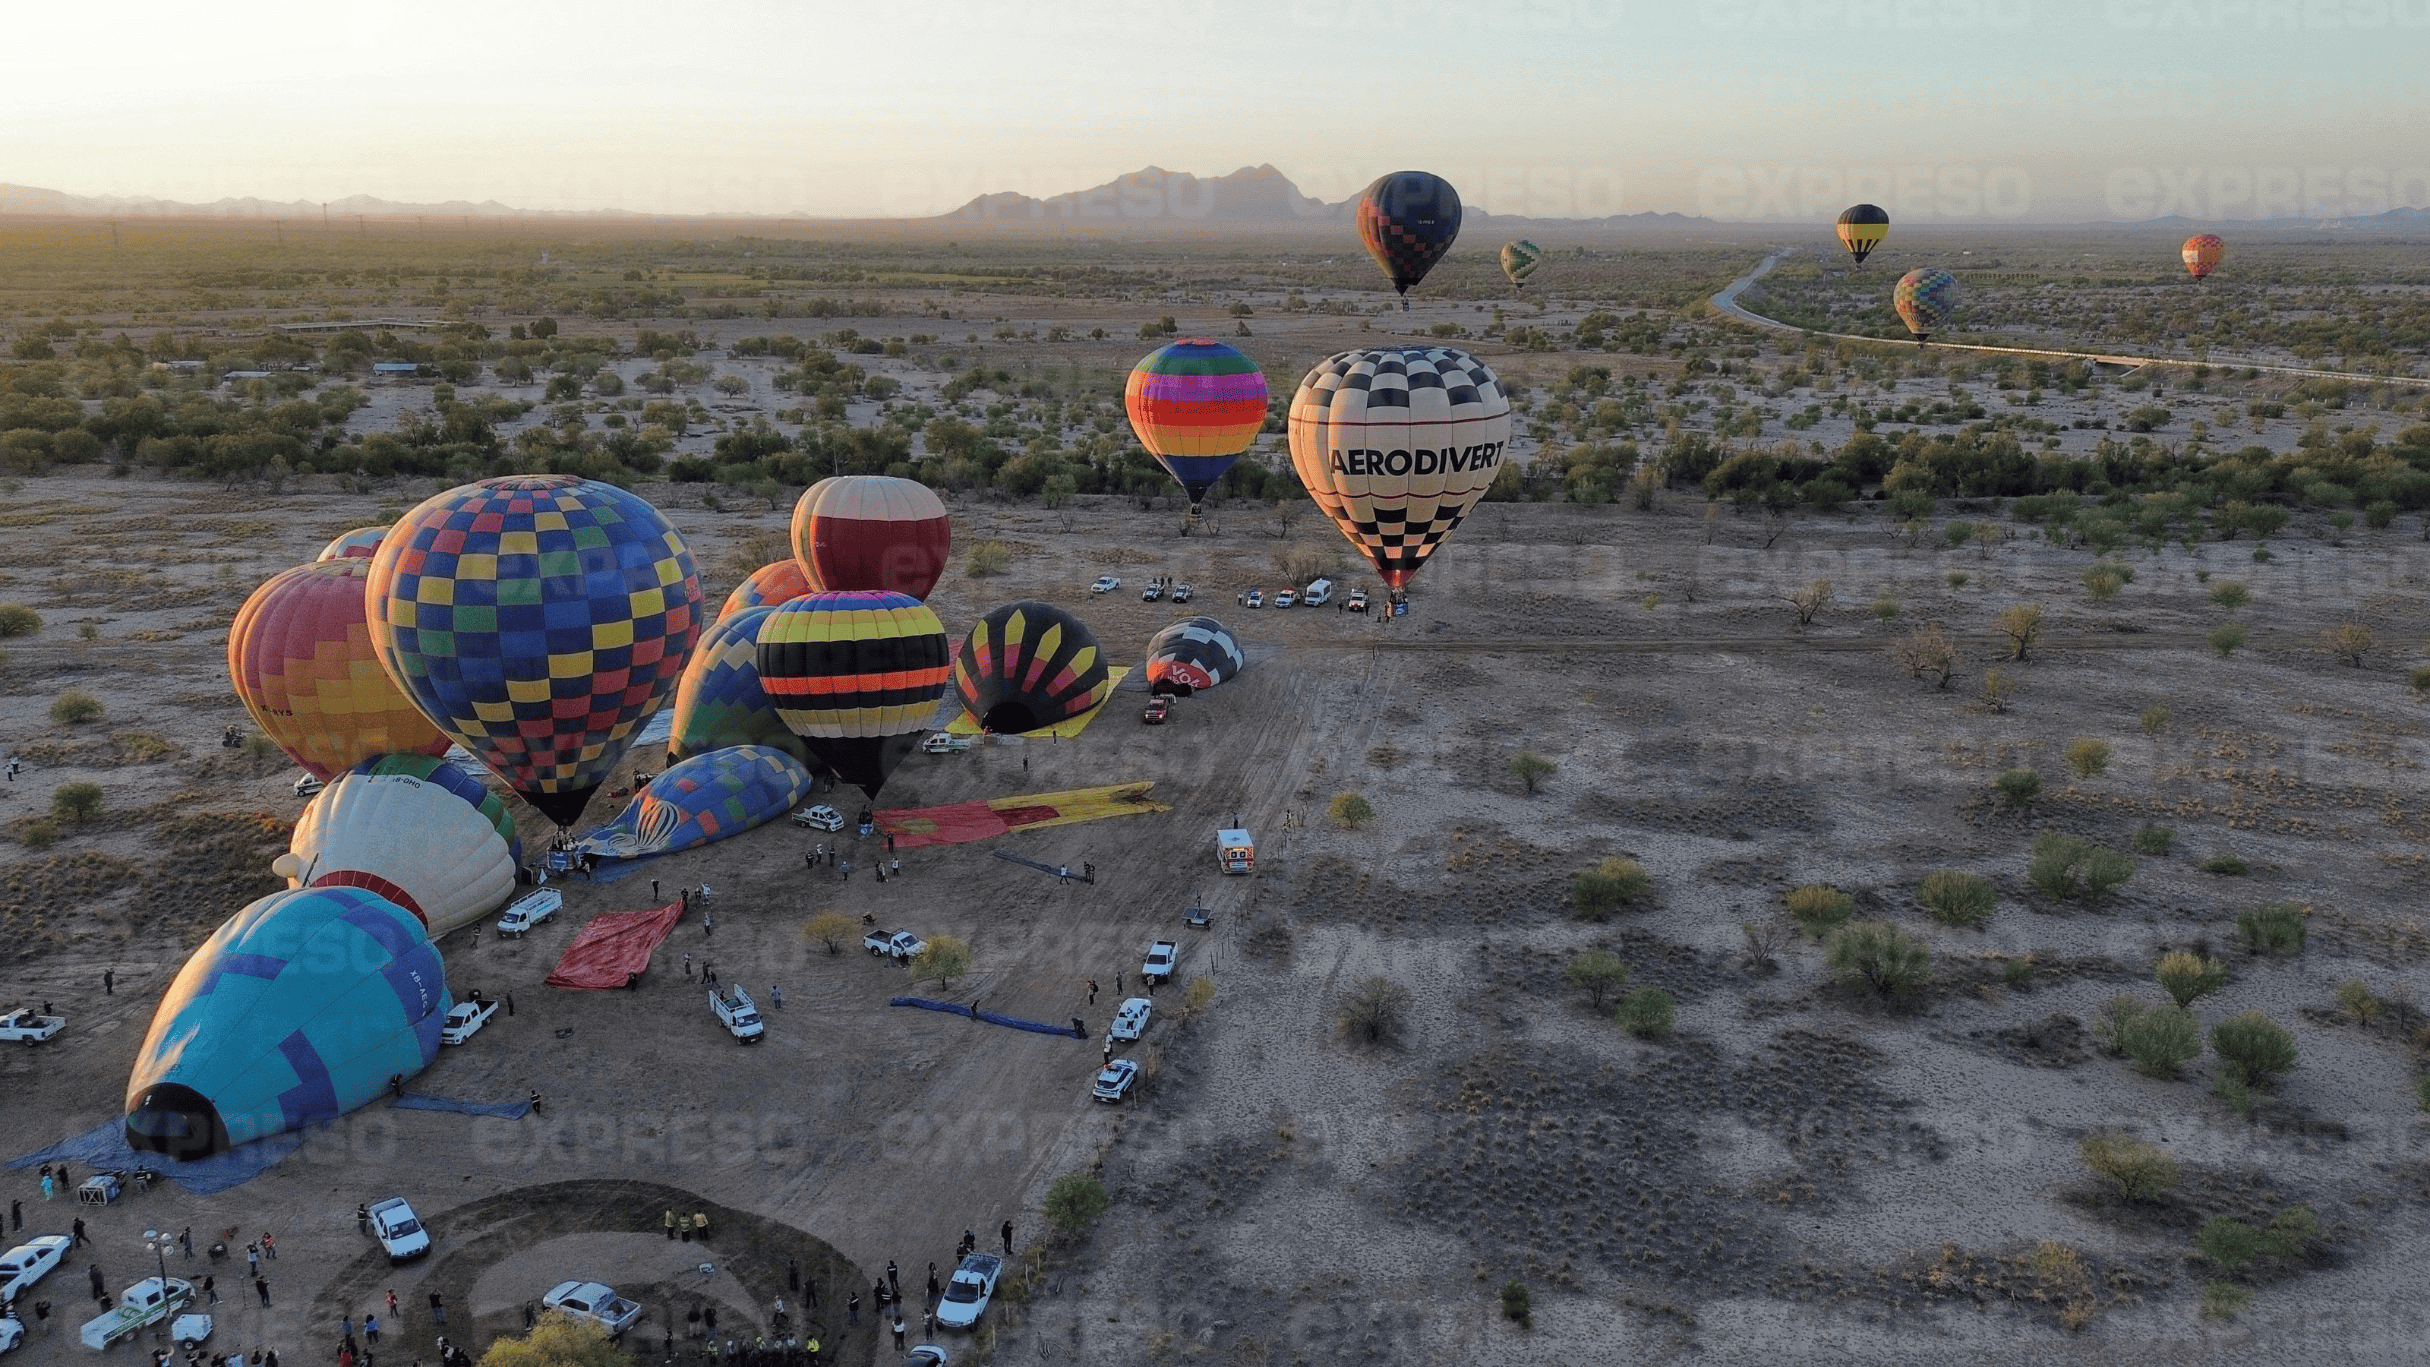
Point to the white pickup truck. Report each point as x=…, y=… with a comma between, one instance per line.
x=894, y=944
x=29, y=1026
x=146, y=1302
x=738, y=1013
x=1159, y=962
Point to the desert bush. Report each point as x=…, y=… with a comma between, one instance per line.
x=1810, y=600
x=2078, y=870
x=1999, y=689
x=2230, y=594
x=1199, y=994
x=1958, y=578
x=2188, y=977
x=2155, y=840
x=1762, y=941
x=75, y=707
x=2273, y=929
x=1073, y=1201
x=1530, y=768
x=1600, y=972
x=37, y=835
x=2347, y=641
x=2160, y=1039
x=2290, y=1232
x=2226, y=866
x=1925, y=653
x=1609, y=886
x=2110, y=1021
x=1885, y=609
x=1647, y=1012
x=2018, y=973
x=2355, y=996
x=557, y=1339
x=2223, y=1300
x=988, y=559
x=2419, y=678
x=16, y=619
x=2155, y=719
x=77, y=803
x=2021, y=623
x=1516, y=1303
x=2229, y=639
x=829, y=928
x=1349, y=811
x=2260, y=1049
x=2019, y=786
x=2138, y=1171
x=947, y=957
x=1820, y=909
x=1373, y=1011
x=2227, y=1242
x=2421, y=1091
x=2102, y=582
x=1957, y=899
x=1957, y=533
x=1879, y=956
x=2088, y=757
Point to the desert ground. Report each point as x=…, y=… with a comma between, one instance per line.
x=1798, y=1171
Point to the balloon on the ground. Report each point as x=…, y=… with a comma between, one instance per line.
x=2202, y=253
x=1925, y=298
x=871, y=532
x=1520, y=259
x=539, y=620
x=766, y=586
x=1192, y=654
x=1027, y=666
x=301, y=658
x=1396, y=445
x=354, y=545
x=448, y=774
x=705, y=798
x=410, y=840
x=1408, y=220
x=719, y=701
x=1196, y=405
x=298, y=1009
x=857, y=675
x=1862, y=227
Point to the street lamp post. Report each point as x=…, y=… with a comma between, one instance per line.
x=158, y=1243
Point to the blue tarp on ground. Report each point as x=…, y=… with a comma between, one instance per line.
x=105, y=1147
x=958, y=1009
x=511, y=1110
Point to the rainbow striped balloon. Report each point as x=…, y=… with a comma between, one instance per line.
x=1196, y=405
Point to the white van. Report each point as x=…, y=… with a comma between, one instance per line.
x=1316, y=593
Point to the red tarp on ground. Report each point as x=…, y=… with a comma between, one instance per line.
x=954, y=824
x=615, y=946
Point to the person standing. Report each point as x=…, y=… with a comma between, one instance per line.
x=687, y=963
x=1008, y=1238
x=898, y=867
x=898, y=1331
x=438, y=1308
x=392, y=1304
x=852, y=1309
x=653, y=889
x=109, y=982
x=16, y=1215
x=371, y=1328
x=210, y=1291
x=669, y=1221
x=269, y=1246
x=510, y=1003
x=81, y=1238
x=894, y=1281
x=253, y=1259
x=261, y=1287
x=1109, y=1051
x=185, y=1240
x=1092, y=991
x=777, y=994
x=932, y=1282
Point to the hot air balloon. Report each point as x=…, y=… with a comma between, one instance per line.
x=454, y=777
x=539, y=620
x=2203, y=252
x=297, y=1010
x=354, y=545
x=767, y=586
x=857, y=675
x=1027, y=666
x=417, y=843
x=1925, y=298
x=1408, y=220
x=1520, y=258
x=707, y=797
x=720, y=702
x=1196, y=405
x=1396, y=445
x=301, y=658
x=1191, y=654
x=871, y=532
x=1862, y=228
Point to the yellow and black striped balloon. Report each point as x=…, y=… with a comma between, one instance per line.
x=856, y=675
x=1862, y=228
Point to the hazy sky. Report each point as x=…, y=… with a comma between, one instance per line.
x=1960, y=110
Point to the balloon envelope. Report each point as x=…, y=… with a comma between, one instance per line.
x=767, y=586
x=1408, y=219
x=871, y=532
x=298, y=1009
x=1191, y=654
x=719, y=701
x=1925, y=298
x=1027, y=666
x=2202, y=253
x=1396, y=445
x=301, y=658
x=1196, y=405
x=1520, y=258
x=1862, y=227
x=539, y=620
x=857, y=675
x=354, y=545
x=705, y=798
x=412, y=841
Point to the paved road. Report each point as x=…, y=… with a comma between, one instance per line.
x=1727, y=303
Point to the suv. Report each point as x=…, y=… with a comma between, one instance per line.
x=1285, y=598
x=1254, y=598
x=1358, y=600
x=593, y=1301
x=1157, y=711
x=394, y=1225
x=1152, y=592
x=1183, y=593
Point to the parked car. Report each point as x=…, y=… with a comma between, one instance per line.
x=30, y=1262
x=738, y=1013
x=1132, y=1020
x=29, y=1025
x=925, y=1355
x=1152, y=593
x=593, y=1301
x=819, y=818
x=894, y=944
x=966, y=1296
x=1183, y=593
x=1106, y=583
x=12, y=1329
x=1116, y=1080
x=399, y=1231
x=1318, y=593
x=1157, y=711
x=307, y=785
x=530, y=911
x=1358, y=600
x=1253, y=598
x=190, y=1329
x=1285, y=598
x=465, y=1019
x=1159, y=963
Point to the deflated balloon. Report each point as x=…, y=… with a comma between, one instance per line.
x=539, y=620
x=1862, y=227
x=354, y=545
x=1520, y=258
x=1396, y=445
x=1408, y=219
x=1196, y=405
x=410, y=840
x=1191, y=654
x=1027, y=666
x=871, y=532
x=857, y=675
x=298, y=1009
x=705, y=798
x=2203, y=252
x=1926, y=297
x=767, y=586
x=301, y=658
x=719, y=701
